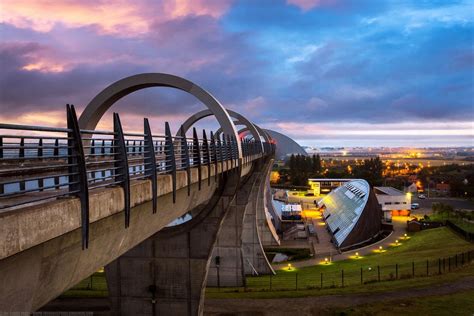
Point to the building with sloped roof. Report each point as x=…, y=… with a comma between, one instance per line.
x=352, y=214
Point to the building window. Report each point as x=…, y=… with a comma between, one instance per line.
x=388, y=203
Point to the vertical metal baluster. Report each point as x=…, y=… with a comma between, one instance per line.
x=214, y=154
x=225, y=153
x=2, y=190
x=77, y=171
x=170, y=158
x=56, y=154
x=197, y=156
x=149, y=160
x=92, y=149
x=185, y=157
x=40, y=155
x=220, y=156
x=121, y=164
x=21, y=154
x=230, y=151
x=206, y=156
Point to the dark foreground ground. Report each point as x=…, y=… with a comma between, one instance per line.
x=455, y=298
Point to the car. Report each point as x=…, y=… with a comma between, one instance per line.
x=421, y=196
x=415, y=206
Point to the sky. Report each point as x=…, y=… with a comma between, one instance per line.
x=325, y=72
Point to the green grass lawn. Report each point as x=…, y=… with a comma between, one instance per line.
x=429, y=245
x=469, y=227
x=459, y=304
x=377, y=287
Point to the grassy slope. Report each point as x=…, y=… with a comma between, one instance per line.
x=368, y=288
x=429, y=244
x=426, y=245
x=459, y=304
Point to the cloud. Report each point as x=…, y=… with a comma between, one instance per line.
x=123, y=18
x=306, y=5
x=311, y=63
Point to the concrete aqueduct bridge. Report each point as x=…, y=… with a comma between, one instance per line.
x=74, y=199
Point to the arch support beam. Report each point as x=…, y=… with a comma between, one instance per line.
x=206, y=113
x=94, y=111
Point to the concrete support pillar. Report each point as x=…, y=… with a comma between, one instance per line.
x=167, y=272
x=227, y=264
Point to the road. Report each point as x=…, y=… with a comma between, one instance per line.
x=426, y=204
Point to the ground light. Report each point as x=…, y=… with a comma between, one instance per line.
x=396, y=243
x=356, y=256
x=380, y=250
x=289, y=268
x=325, y=262
x=405, y=236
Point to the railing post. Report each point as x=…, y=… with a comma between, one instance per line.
x=224, y=152
x=121, y=164
x=378, y=273
x=170, y=158
x=77, y=170
x=207, y=156
x=413, y=269
x=40, y=155
x=342, y=277
x=296, y=281
x=270, y=282
x=197, y=156
x=361, y=276
x=396, y=271
x=185, y=157
x=321, y=280
x=230, y=153
x=150, y=162
x=2, y=190
x=214, y=154
x=21, y=154
x=56, y=154
x=236, y=152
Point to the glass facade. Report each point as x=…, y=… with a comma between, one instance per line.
x=343, y=207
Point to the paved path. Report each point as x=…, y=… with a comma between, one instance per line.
x=319, y=305
x=399, y=225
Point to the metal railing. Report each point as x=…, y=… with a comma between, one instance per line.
x=40, y=164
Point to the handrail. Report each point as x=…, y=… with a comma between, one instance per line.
x=40, y=163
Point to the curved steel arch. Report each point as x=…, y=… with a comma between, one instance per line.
x=94, y=111
x=260, y=130
x=239, y=117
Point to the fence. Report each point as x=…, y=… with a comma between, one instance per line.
x=39, y=163
x=294, y=280
x=467, y=235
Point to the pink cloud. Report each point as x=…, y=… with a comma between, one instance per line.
x=124, y=18
x=307, y=5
